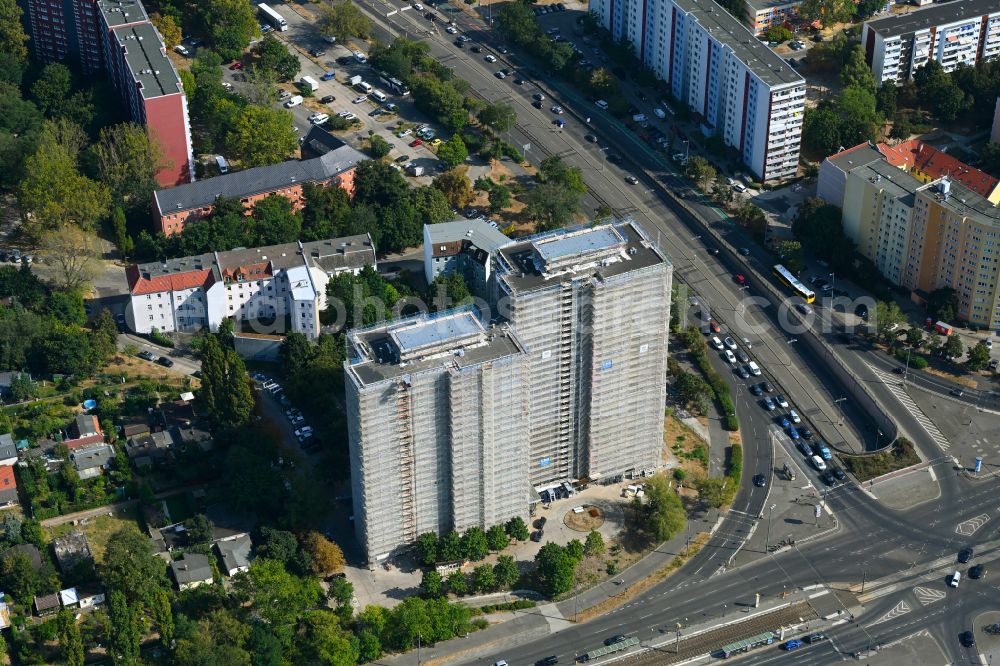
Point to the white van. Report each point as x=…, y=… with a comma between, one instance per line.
x=223, y=165
x=378, y=95
x=366, y=88
x=294, y=101
x=601, y=104
x=955, y=579
x=639, y=118
x=659, y=113
x=360, y=57
x=818, y=463
x=754, y=369
x=716, y=342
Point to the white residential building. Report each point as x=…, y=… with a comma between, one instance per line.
x=281, y=288
x=462, y=246
x=951, y=33
x=739, y=87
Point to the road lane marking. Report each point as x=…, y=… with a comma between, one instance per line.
x=894, y=385
x=926, y=596
x=902, y=608
x=971, y=526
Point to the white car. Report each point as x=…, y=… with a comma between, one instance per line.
x=284, y=94
x=754, y=369
x=360, y=98
x=319, y=118
x=182, y=50
x=794, y=416
x=781, y=401
x=490, y=58
x=730, y=357
x=746, y=343
x=350, y=117
x=730, y=343
x=659, y=113
x=768, y=403
x=314, y=116
x=451, y=30
x=737, y=185
x=419, y=7
x=556, y=109
x=818, y=463
x=405, y=133
x=360, y=57
x=500, y=75
x=716, y=342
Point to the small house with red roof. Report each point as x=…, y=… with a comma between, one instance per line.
x=87, y=432
x=8, y=487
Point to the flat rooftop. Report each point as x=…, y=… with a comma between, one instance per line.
x=730, y=31
x=941, y=13
x=122, y=12
x=400, y=348
x=965, y=202
x=899, y=184
x=146, y=60
x=602, y=252
x=759, y=5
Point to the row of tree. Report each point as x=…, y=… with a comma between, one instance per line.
x=474, y=545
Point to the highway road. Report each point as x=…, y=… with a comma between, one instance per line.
x=873, y=544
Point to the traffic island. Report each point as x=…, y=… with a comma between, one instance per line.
x=584, y=518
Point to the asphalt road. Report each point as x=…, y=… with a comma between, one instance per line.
x=873, y=543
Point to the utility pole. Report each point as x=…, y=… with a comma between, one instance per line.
x=770, y=514
x=418, y=649
x=864, y=579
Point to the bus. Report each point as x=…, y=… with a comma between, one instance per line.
x=793, y=283
x=272, y=17
x=394, y=85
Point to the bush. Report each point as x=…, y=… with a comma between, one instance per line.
x=899, y=456
x=160, y=338
x=679, y=474
x=918, y=362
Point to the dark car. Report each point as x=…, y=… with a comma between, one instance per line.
x=967, y=639
x=536, y=536
x=165, y=362
x=743, y=372
x=120, y=322
x=815, y=638
x=614, y=639
x=590, y=138
x=766, y=385
x=548, y=661
x=759, y=480
x=862, y=311
x=197, y=374
x=977, y=572
x=793, y=644
x=317, y=53
x=402, y=158
x=537, y=104
x=327, y=99
x=755, y=389
x=540, y=523
x=147, y=356
x=615, y=159
x=476, y=49
x=806, y=433
x=965, y=555
x=804, y=449
x=827, y=478
x=783, y=420
x=839, y=474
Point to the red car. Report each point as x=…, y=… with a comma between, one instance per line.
x=238, y=65
x=416, y=142
x=740, y=278
x=714, y=325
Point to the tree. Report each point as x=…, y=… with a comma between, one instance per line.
x=575, y=550
x=343, y=21
x=432, y=585
x=327, y=557
x=124, y=242
x=752, y=218
x=827, y=11
x=940, y=91
x=224, y=396
x=321, y=640
x=474, y=544
x=130, y=567
x=554, y=170
x=888, y=317
x=163, y=616
x=13, y=40
x=456, y=187
x=218, y=639
x=594, y=544
x=341, y=592
x=457, y=584
x=450, y=547
x=427, y=548
x=867, y=8
x=22, y=387
x=276, y=221
x=953, y=347
x=498, y=117
x=231, y=24
x=777, y=33
x=942, y=304
x=18, y=576
x=168, y=29
x=885, y=99
x=517, y=529
x=700, y=171
x=499, y=197
x=126, y=634
x=483, y=579
x=722, y=191
x=199, y=529
x=712, y=491
x=53, y=89
x=979, y=357
x=555, y=569
x=858, y=118
x=914, y=336
x=856, y=71
x=821, y=131
x=70, y=642
x=901, y=128
x=379, y=147
x=497, y=538
x=790, y=253
x=273, y=59
x=662, y=512
x=261, y=136
x=505, y=572
x=73, y=253
x=55, y=192
x=553, y=205
x=691, y=389
x=453, y=151
x=274, y=594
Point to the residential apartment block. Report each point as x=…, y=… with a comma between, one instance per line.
x=116, y=36
x=952, y=33
x=280, y=288
x=178, y=206
x=763, y=14
x=438, y=424
x=591, y=307
x=464, y=247
x=923, y=233
x=738, y=87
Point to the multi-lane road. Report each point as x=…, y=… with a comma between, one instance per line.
x=903, y=558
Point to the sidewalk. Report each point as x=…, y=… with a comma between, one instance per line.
x=547, y=619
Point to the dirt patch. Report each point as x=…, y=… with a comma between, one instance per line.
x=735, y=438
x=591, y=518
x=689, y=449
x=136, y=368
x=98, y=529
x=964, y=381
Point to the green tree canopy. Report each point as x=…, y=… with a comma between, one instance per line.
x=273, y=59
x=979, y=357
x=343, y=21
x=556, y=569
x=453, y=151
x=231, y=24
x=261, y=136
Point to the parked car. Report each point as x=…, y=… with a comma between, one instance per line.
x=768, y=403
x=793, y=644
x=780, y=399
x=326, y=99
x=147, y=356
x=794, y=416
x=165, y=362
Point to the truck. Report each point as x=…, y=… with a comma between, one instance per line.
x=309, y=84
x=943, y=328
x=294, y=101
x=356, y=79
x=268, y=15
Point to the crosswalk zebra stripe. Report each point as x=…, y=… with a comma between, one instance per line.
x=893, y=384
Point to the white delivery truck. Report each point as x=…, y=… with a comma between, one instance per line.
x=309, y=84
x=356, y=79
x=294, y=101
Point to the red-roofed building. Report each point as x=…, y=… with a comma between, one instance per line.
x=8, y=487
x=87, y=430
x=926, y=163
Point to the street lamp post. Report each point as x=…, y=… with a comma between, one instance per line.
x=770, y=514
x=687, y=149
x=839, y=402
x=833, y=281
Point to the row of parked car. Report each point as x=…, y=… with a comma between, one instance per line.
x=303, y=431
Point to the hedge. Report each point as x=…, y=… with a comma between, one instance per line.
x=720, y=388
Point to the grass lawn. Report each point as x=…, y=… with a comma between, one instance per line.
x=181, y=507
x=899, y=456
x=99, y=528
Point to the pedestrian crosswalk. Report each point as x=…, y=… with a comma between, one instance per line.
x=894, y=385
